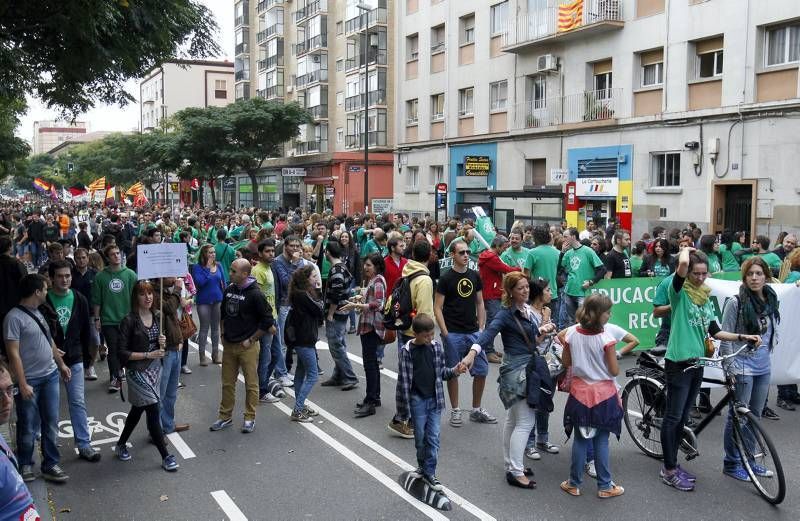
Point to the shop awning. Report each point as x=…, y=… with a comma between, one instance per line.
x=326, y=180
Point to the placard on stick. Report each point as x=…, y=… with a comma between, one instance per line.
x=155, y=261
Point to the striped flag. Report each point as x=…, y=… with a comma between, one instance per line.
x=135, y=190
x=570, y=15
x=110, y=193
x=41, y=185
x=99, y=184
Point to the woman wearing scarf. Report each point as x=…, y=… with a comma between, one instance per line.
x=692, y=321
x=753, y=312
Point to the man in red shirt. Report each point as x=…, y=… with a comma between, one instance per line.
x=395, y=262
x=491, y=270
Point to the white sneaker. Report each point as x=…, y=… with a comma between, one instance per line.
x=455, y=418
x=589, y=468
x=268, y=398
x=532, y=453
x=286, y=381
x=91, y=373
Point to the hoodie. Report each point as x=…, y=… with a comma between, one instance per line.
x=421, y=290
x=491, y=270
x=244, y=311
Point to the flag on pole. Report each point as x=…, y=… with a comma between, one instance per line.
x=77, y=190
x=98, y=184
x=135, y=190
x=570, y=15
x=41, y=185
x=110, y=193
x=53, y=193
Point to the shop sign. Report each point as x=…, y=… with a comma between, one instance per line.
x=596, y=186
x=293, y=172
x=477, y=165
x=558, y=176
x=229, y=184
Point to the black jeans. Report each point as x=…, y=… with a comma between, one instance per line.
x=111, y=334
x=153, y=426
x=682, y=389
x=369, y=352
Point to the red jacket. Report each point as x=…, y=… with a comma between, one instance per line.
x=491, y=270
x=392, y=272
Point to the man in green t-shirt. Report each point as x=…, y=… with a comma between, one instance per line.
x=516, y=255
x=542, y=261
x=584, y=269
x=111, y=301
x=761, y=248
x=225, y=254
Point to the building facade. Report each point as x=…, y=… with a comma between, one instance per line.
x=653, y=112
x=49, y=134
x=333, y=58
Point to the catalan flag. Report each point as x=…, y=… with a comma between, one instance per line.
x=111, y=193
x=41, y=185
x=99, y=184
x=570, y=15
x=135, y=190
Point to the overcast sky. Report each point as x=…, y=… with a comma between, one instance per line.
x=112, y=117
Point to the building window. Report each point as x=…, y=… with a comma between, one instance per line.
x=667, y=169
x=340, y=134
x=538, y=91
x=783, y=45
x=339, y=28
x=602, y=84
x=467, y=29
x=499, y=15
x=709, y=64
x=498, y=94
x=438, y=38
x=535, y=172
x=437, y=175
x=466, y=101
x=339, y=99
x=437, y=107
x=412, y=47
x=412, y=107
x=340, y=65
x=412, y=179
x=220, y=89
x=652, y=74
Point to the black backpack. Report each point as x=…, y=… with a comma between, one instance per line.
x=398, y=310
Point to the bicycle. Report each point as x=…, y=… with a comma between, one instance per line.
x=644, y=404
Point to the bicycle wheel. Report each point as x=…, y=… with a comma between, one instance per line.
x=643, y=402
x=759, y=457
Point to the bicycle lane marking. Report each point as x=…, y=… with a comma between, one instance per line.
x=375, y=446
x=228, y=506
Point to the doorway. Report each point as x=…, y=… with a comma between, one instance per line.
x=733, y=208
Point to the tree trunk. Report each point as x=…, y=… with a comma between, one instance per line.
x=214, y=193
x=254, y=185
x=200, y=190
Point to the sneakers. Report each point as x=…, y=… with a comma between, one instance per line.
x=308, y=411
x=268, y=398
x=786, y=405
x=676, y=480
x=495, y=358
x=614, y=491
x=455, y=418
x=761, y=471
x=417, y=473
x=27, y=473
x=433, y=482
x=204, y=362
x=89, y=454
x=169, y=464
x=330, y=382
x=769, y=414
x=185, y=369
x=570, y=489
x=286, y=381
x=401, y=429
x=737, y=473
x=122, y=453
x=248, y=426
x=687, y=475
x=532, y=453
x=55, y=474
x=220, y=424
x=115, y=385
x=300, y=416
x=590, y=469
x=91, y=373
x=548, y=447
x=481, y=415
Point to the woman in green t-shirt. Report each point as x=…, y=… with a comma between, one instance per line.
x=659, y=264
x=728, y=245
x=637, y=257
x=710, y=246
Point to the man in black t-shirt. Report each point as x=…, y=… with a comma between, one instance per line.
x=460, y=314
x=618, y=264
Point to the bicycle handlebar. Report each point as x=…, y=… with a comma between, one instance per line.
x=696, y=362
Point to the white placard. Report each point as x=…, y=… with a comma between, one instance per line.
x=154, y=261
x=558, y=176
x=382, y=205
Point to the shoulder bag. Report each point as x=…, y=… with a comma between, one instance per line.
x=539, y=383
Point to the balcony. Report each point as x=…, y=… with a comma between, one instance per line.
x=354, y=63
x=262, y=64
x=274, y=92
x=376, y=97
x=356, y=141
x=318, y=112
x=317, y=146
x=312, y=8
x=266, y=5
x=242, y=48
x=242, y=75
x=362, y=21
x=541, y=28
x=242, y=20
x=306, y=80
x=312, y=44
x=585, y=107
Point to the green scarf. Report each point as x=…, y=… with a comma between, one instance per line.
x=751, y=308
x=697, y=294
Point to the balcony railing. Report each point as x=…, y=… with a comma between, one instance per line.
x=543, y=24
x=376, y=97
x=376, y=16
x=312, y=8
x=310, y=147
x=274, y=61
x=379, y=56
x=242, y=75
x=262, y=64
x=588, y=106
x=274, y=92
x=319, y=75
x=274, y=29
x=264, y=5
x=242, y=20
x=357, y=140
x=317, y=42
x=318, y=112
x=242, y=48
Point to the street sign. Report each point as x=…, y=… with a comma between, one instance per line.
x=168, y=259
x=229, y=184
x=381, y=206
x=354, y=169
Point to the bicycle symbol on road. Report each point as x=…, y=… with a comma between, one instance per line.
x=113, y=425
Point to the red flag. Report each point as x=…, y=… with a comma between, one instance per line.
x=195, y=184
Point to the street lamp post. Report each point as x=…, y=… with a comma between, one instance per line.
x=365, y=9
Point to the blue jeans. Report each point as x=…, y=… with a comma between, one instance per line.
x=427, y=420
x=682, y=389
x=492, y=309
x=43, y=405
x=77, y=407
x=270, y=359
x=751, y=391
x=283, y=312
x=540, y=434
x=457, y=345
x=569, y=306
x=305, y=376
x=555, y=312
x=335, y=331
x=579, y=447
x=170, y=371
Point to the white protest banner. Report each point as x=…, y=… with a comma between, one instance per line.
x=154, y=261
x=785, y=359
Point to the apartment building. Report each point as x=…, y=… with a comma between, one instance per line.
x=651, y=111
x=332, y=57
x=49, y=134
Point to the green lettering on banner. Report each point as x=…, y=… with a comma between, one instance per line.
x=727, y=275
x=633, y=306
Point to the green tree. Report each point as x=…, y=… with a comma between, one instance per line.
x=12, y=148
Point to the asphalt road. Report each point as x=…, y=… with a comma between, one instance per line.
x=342, y=468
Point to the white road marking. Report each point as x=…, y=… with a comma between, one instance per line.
x=228, y=506
x=180, y=445
x=386, y=453
x=357, y=359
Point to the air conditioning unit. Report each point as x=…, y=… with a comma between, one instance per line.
x=316, y=58
x=546, y=62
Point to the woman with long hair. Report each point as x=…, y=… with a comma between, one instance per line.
x=521, y=332
x=141, y=348
x=710, y=246
x=352, y=261
x=790, y=270
x=302, y=333
x=659, y=264
x=728, y=245
x=753, y=312
x=371, y=330
x=637, y=256
x=210, y=284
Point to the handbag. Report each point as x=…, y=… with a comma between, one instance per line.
x=538, y=382
x=187, y=325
